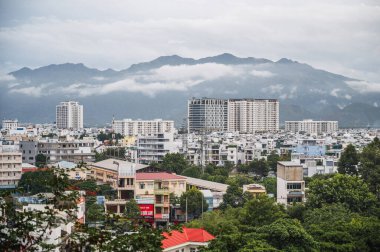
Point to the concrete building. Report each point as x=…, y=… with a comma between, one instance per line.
x=29, y=149
x=255, y=189
x=153, y=148
x=9, y=124
x=129, y=127
x=10, y=166
x=290, y=183
x=311, y=127
x=69, y=150
x=206, y=115
x=243, y=115
x=69, y=115
x=251, y=115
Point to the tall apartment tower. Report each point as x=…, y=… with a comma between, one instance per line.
x=69, y=115
x=243, y=115
x=207, y=114
x=9, y=124
x=10, y=166
x=250, y=115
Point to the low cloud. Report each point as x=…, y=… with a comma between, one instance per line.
x=166, y=78
x=334, y=92
x=6, y=77
x=262, y=74
x=364, y=86
x=273, y=89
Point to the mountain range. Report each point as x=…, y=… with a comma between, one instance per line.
x=160, y=89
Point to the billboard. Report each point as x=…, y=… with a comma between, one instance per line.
x=147, y=210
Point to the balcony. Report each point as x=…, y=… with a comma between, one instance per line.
x=126, y=187
x=161, y=190
x=161, y=203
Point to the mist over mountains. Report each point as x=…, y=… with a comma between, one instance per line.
x=160, y=89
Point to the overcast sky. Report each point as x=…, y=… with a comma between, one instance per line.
x=338, y=36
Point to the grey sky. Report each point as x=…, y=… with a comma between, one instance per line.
x=338, y=36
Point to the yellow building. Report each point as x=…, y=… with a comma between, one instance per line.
x=255, y=189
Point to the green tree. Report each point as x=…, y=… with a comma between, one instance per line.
x=194, y=199
x=38, y=181
x=288, y=235
x=192, y=171
x=272, y=160
x=336, y=228
x=41, y=160
x=132, y=210
x=348, y=161
x=259, y=167
x=95, y=213
x=261, y=211
x=87, y=185
x=234, y=197
x=351, y=191
x=174, y=162
x=270, y=185
x=369, y=167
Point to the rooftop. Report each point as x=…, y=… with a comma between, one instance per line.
x=176, y=238
x=114, y=164
x=157, y=175
x=289, y=163
x=213, y=186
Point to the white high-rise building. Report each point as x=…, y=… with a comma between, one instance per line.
x=69, y=115
x=312, y=127
x=243, y=115
x=129, y=127
x=251, y=115
x=10, y=166
x=9, y=124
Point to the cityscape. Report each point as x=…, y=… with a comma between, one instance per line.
x=218, y=153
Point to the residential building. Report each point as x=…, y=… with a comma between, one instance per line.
x=187, y=240
x=9, y=124
x=129, y=127
x=153, y=148
x=311, y=127
x=69, y=115
x=242, y=115
x=73, y=150
x=29, y=149
x=206, y=115
x=290, y=183
x=255, y=189
x=252, y=115
x=155, y=188
x=10, y=166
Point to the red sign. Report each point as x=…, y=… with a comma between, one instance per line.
x=147, y=210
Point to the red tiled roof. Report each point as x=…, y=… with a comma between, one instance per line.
x=156, y=175
x=188, y=235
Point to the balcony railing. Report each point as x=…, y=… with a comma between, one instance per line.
x=161, y=190
x=161, y=216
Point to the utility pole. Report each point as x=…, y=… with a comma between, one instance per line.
x=186, y=211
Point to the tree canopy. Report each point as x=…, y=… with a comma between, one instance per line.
x=348, y=161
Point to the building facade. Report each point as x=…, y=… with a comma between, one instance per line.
x=207, y=114
x=153, y=148
x=9, y=124
x=129, y=127
x=10, y=166
x=242, y=115
x=251, y=115
x=312, y=127
x=290, y=183
x=69, y=115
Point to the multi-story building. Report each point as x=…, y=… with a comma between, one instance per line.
x=251, y=115
x=242, y=115
x=290, y=183
x=156, y=188
x=69, y=115
x=207, y=114
x=10, y=166
x=29, y=149
x=70, y=150
x=9, y=124
x=312, y=127
x=153, y=148
x=129, y=127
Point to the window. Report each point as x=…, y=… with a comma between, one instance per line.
x=293, y=186
x=142, y=185
x=193, y=249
